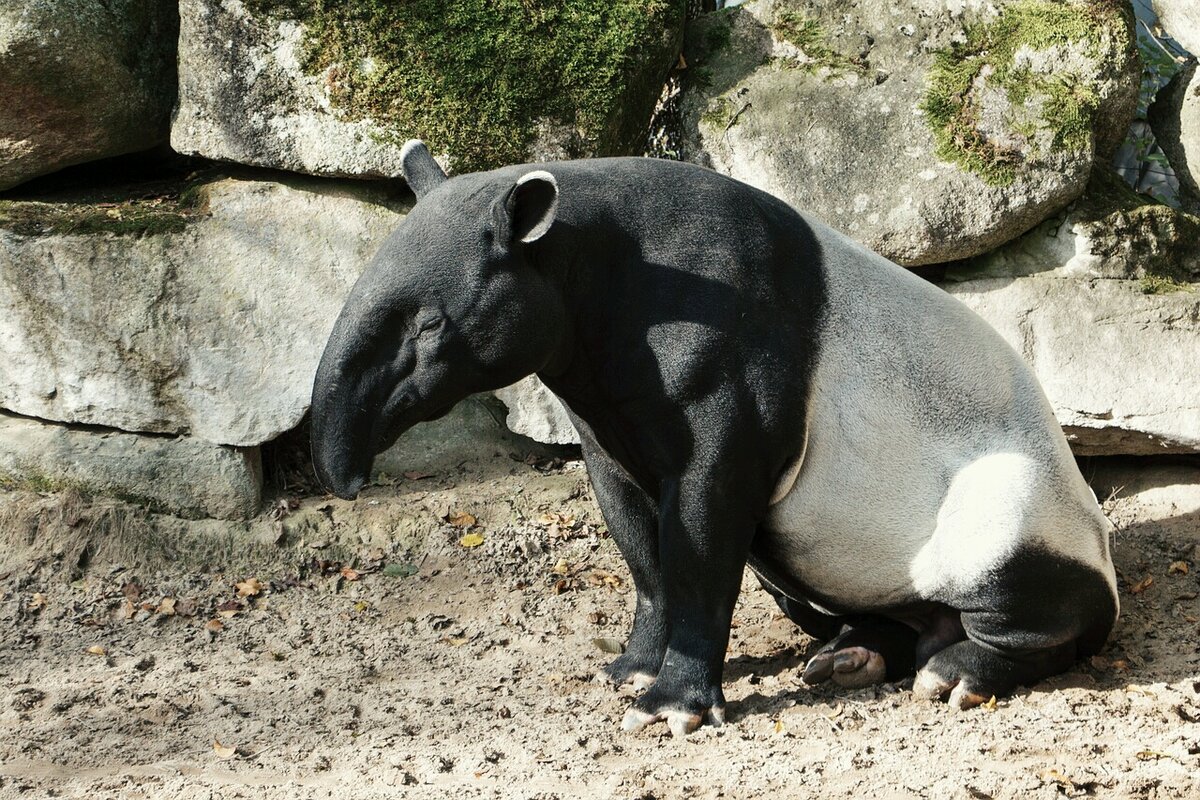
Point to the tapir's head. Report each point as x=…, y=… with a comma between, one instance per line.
x=455, y=302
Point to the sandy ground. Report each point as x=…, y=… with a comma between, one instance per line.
x=300, y=658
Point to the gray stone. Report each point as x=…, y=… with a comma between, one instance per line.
x=1118, y=365
x=1181, y=19
x=473, y=431
x=534, y=411
x=832, y=107
x=212, y=330
x=1106, y=309
x=243, y=97
x=182, y=476
x=1111, y=232
x=82, y=80
x=1175, y=119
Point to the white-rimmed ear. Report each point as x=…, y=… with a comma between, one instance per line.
x=422, y=173
x=531, y=206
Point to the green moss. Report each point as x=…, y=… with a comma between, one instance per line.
x=807, y=35
x=1062, y=103
x=474, y=77
x=141, y=216
x=1159, y=284
x=37, y=482
x=1160, y=244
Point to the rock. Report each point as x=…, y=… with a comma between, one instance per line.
x=81, y=81
x=206, y=321
x=473, y=431
x=335, y=88
x=534, y=411
x=1175, y=119
x=1106, y=308
x=1181, y=19
x=1111, y=232
x=928, y=136
x=182, y=476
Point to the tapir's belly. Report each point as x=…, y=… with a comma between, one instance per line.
x=932, y=454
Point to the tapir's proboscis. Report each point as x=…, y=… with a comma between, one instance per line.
x=750, y=387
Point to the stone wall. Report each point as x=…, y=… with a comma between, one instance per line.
x=161, y=315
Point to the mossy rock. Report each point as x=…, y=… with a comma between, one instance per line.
x=335, y=88
x=926, y=135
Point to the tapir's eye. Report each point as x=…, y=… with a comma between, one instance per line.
x=431, y=324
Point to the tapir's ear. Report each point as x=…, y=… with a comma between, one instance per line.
x=531, y=205
x=420, y=170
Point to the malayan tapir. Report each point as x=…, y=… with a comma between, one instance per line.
x=750, y=387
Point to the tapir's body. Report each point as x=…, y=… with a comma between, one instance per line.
x=750, y=387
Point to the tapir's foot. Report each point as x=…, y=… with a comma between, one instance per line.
x=683, y=709
x=967, y=674
x=871, y=652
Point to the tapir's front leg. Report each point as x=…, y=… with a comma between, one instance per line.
x=632, y=520
x=704, y=540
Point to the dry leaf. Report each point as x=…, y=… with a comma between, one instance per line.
x=230, y=608
x=37, y=602
x=1142, y=585
x=132, y=591
x=361, y=606
x=779, y=726
x=214, y=626
x=834, y=713
x=471, y=540
x=990, y=705
x=167, y=607
x=251, y=587
x=222, y=751
x=413, y=475
x=128, y=609
x=1180, y=567
x=561, y=568
x=1120, y=665
x=461, y=519
x=349, y=573
x=97, y=650
x=611, y=646
x=1152, y=755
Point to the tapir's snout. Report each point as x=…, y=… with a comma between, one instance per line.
x=342, y=451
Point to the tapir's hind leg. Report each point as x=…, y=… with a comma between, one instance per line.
x=1039, y=613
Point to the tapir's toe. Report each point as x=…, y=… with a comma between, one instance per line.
x=683, y=711
x=679, y=722
x=868, y=653
x=850, y=668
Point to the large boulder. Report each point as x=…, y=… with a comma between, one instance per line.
x=335, y=88
x=1105, y=306
x=205, y=315
x=82, y=80
x=183, y=476
x=1181, y=19
x=1175, y=119
x=928, y=135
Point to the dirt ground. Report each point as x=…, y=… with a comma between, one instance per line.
x=439, y=636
